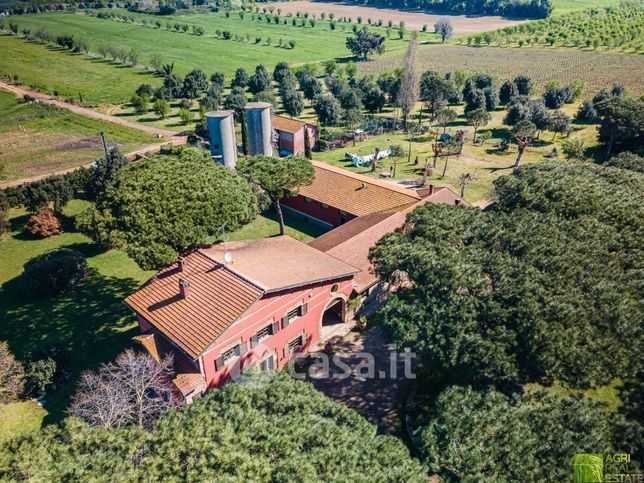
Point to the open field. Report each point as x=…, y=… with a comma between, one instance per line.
x=597, y=70
x=55, y=71
x=414, y=20
x=38, y=139
x=207, y=52
x=90, y=324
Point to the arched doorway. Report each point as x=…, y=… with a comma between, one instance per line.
x=333, y=317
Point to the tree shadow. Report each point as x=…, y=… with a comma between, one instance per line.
x=90, y=324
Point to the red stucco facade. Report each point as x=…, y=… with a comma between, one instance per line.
x=327, y=214
x=294, y=142
x=270, y=310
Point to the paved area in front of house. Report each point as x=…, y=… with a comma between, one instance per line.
x=375, y=383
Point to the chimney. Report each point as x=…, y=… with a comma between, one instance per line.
x=362, y=186
x=184, y=288
x=457, y=201
x=181, y=264
x=431, y=190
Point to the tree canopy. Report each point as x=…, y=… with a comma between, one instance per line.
x=487, y=436
x=282, y=431
x=365, y=43
x=163, y=205
x=278, y=177
x=544, y=287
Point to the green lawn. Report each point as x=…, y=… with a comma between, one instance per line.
x=39, y=139
x=185, y=50
x=567, y=6
x=90, y=324
x=55, y=71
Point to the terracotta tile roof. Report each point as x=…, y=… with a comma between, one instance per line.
x=287, y=124
x=279, y=263
x=217, y=298
x=354, y=193
x=352, y=241
x=344, y=232
x=187, y=377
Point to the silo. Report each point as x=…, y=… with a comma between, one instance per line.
x=223, y=143
x=259, y=128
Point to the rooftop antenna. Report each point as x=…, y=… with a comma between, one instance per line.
x=228, y=256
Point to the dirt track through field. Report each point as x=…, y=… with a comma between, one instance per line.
x=413, y=20
x=171, y=136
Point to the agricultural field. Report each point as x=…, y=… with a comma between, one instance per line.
x=210, y=51
x=597, y=70
x=37, y=139
x=66, y=74
x=413, y=19
x=620, y=29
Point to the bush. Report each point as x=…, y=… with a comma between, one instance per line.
x=44, y=224
x=53, y=273
x=186, y=116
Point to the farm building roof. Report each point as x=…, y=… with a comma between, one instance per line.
x=287, y=124
x=279, y=263
x=352, y=241
x=220, y=293
x=187, y=377
x=354, y=193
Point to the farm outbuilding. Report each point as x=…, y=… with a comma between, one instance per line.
x=291, y=135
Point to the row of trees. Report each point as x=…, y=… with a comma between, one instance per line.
x=509, y=8
x=610, y=27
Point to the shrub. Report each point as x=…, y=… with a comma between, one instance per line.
x=44, y=224
x=186, y=116
x=53, y=273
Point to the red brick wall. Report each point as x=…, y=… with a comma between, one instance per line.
x=270, y=309
x=330, y=215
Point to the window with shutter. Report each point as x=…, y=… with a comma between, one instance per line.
x=219, y=363
x=265, y=333
x=295, y=344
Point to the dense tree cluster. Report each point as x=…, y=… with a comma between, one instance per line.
x=480, y=435
x=284, y=430
x=164, y=205
x=542, y=288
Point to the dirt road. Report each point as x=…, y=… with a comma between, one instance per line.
x=83, y=111
x=169, y=136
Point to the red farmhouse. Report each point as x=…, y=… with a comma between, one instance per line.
x=291, y=134
x=241, y=304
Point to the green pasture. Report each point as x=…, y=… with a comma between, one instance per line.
x=207, y=52
x=55, y=71
x=37, y=140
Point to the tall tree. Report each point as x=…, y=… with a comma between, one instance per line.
x=365, y=43
x=105, y=169
x=133, y=390
x=478, y=118
x=408, y=91
x=444, y=28
x=161, y=206
x=278, y=177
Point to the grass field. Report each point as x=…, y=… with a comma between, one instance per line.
x=206, y=52
x=37, y=139
x=90, y=324
x=597, y=70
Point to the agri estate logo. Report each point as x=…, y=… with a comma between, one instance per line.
x=609, y=468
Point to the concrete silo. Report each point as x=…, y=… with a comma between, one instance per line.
x=223, y=143
x=259, y=128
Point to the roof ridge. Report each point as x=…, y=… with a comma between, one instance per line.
x=366, y=179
